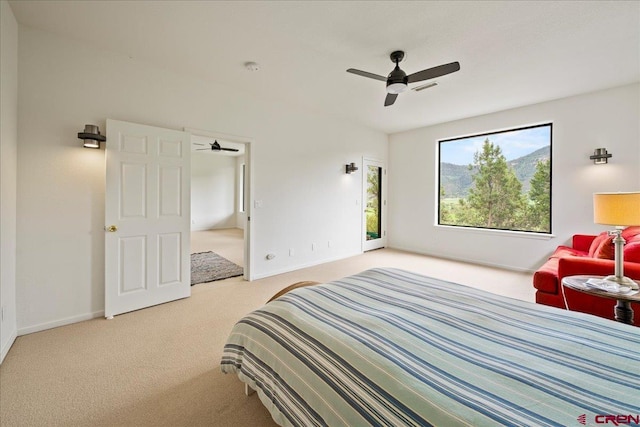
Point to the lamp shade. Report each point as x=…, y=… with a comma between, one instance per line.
x=621, y=209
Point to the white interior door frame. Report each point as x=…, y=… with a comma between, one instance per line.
x=380, y=242
x=248, y=193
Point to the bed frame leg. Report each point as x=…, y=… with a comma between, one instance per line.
x=248, y=390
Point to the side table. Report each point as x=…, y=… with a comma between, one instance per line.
x=623, y=311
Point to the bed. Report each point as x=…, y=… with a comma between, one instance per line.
x=389, y=347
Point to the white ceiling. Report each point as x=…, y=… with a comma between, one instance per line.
x=511, y=53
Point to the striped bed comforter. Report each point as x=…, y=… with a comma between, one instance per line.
x=391, y=348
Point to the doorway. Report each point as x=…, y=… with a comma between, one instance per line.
x=374, y=234
x=220, y=191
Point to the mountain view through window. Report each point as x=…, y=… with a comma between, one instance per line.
x=499, y=180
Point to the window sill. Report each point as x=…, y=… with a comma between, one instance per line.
x=501, y=233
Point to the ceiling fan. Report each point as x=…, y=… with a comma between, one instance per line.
x=397, y=80
x=215, y=147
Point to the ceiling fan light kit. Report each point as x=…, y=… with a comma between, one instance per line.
x=398, y=81
x=396, y=88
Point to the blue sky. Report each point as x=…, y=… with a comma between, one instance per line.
x=514, y=144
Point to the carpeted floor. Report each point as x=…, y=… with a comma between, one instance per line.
x=161, y=366
x=209, y=267
x=226, y=242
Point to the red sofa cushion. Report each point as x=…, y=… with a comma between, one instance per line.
x=582, y=242
x=605, y=249
x=552, y=300
x=630, y=232
x=562, y=251
x=595, y=244
x=632, y=252
x=545, y=279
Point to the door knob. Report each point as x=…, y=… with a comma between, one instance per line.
x=111, y=228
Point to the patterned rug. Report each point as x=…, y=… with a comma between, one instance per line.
x=209, y=266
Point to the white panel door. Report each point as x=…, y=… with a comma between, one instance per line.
x=374, y=189
x=147, y=213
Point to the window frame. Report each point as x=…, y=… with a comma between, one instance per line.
x=501, y=231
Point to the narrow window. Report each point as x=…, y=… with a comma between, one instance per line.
x=242, y=187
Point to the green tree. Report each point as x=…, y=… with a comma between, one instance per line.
x=373, y=184
x=496, y=197
x=466, y=215
x=373, y=202
x=539, y=207
x=446, y=214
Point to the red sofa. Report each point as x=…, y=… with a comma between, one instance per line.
x=588, y=255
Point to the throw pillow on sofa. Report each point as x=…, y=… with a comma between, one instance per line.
x=602, y=246
x=595, y=244
x=630, y=232
x=605, y=250
x=632, y=251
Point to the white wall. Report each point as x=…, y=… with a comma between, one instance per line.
x=213, y=191
x=297, y=162
x=607, y=119
x=8, y=168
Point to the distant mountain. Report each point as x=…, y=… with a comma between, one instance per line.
x=458, y=179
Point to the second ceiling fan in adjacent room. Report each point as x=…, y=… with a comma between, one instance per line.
x=215, y=146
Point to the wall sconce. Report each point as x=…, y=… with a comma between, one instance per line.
x=91, y=136
x=600, y=156
x=351, y=168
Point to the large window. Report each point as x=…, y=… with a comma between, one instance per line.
x=499, y=180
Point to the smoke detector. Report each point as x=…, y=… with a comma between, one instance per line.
x=252, y=66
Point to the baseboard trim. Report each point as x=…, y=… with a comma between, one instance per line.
x=61, y=322
x=465, y=260
x=7, y=346
x=301, y=266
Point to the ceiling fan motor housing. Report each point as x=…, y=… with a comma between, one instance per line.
x=397, y=81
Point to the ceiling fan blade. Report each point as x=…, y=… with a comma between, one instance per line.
x=390, y=99
x=425, y=86
x=200, y=149
x=197, y=143
x=434, y=72
x=366, y=74
x=229, y=149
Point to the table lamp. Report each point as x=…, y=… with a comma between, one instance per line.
x=619, y=210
